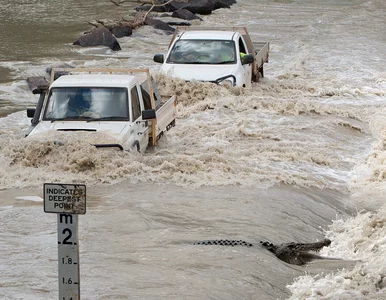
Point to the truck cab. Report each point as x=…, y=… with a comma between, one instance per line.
x=219, y=56
x=122, y=106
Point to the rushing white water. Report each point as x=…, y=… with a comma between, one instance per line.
x=299, y=157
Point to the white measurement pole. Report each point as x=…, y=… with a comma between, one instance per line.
x=67, y=201
x=68, y=257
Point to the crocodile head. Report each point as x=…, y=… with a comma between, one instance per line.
x=296, y=253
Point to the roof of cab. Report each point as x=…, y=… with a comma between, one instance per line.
x=97, y=80
x=207, y=35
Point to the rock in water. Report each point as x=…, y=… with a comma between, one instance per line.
x=100, y=36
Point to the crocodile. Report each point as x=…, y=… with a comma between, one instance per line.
x=292, y=253
x=296, y=253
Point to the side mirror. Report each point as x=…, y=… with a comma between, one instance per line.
x=247, y=59
x=148, y=114
x=30, y=112
x=159, y=58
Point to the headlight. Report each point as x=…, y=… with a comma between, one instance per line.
x=227, y=80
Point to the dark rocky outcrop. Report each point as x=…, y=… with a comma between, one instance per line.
x=100, y=36
x=202, y=7
x=185, y=14
x=121, y=31
x=205, y=7
x=229, y=2
x=158, y=24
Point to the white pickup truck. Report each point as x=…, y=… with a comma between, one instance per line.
x=123, y=104
x=219, y=55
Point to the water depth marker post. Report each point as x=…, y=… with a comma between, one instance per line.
x=67, y=201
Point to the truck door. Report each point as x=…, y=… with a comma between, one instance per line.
x=247, y=69
x=140, y=130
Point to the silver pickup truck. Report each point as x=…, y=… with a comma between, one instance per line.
x=219, y=55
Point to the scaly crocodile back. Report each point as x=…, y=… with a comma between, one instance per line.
x=224, y=243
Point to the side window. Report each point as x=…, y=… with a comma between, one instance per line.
x=146, y=98
x=242, y=47
x=156, y=94
x=135, y=105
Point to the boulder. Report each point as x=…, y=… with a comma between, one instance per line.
x=203, y=7
x=175, y=5
x=158, y=24
x=185, y=14
x=121, y=31
x=100, y=36
x=220, y=4
x=229, y=2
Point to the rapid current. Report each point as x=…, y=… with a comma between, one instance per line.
x=299, y=157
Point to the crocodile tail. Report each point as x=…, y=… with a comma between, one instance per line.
x=224, y=243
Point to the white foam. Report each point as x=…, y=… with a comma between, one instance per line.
x=359, y=238
x=315, y=120
x=30, y=198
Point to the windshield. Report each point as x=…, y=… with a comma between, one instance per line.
x=69, y=103
x=202, y=52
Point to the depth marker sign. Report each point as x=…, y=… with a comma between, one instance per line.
x=67, y=201
x=65, y=198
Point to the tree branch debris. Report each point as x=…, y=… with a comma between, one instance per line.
x=139, y=18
